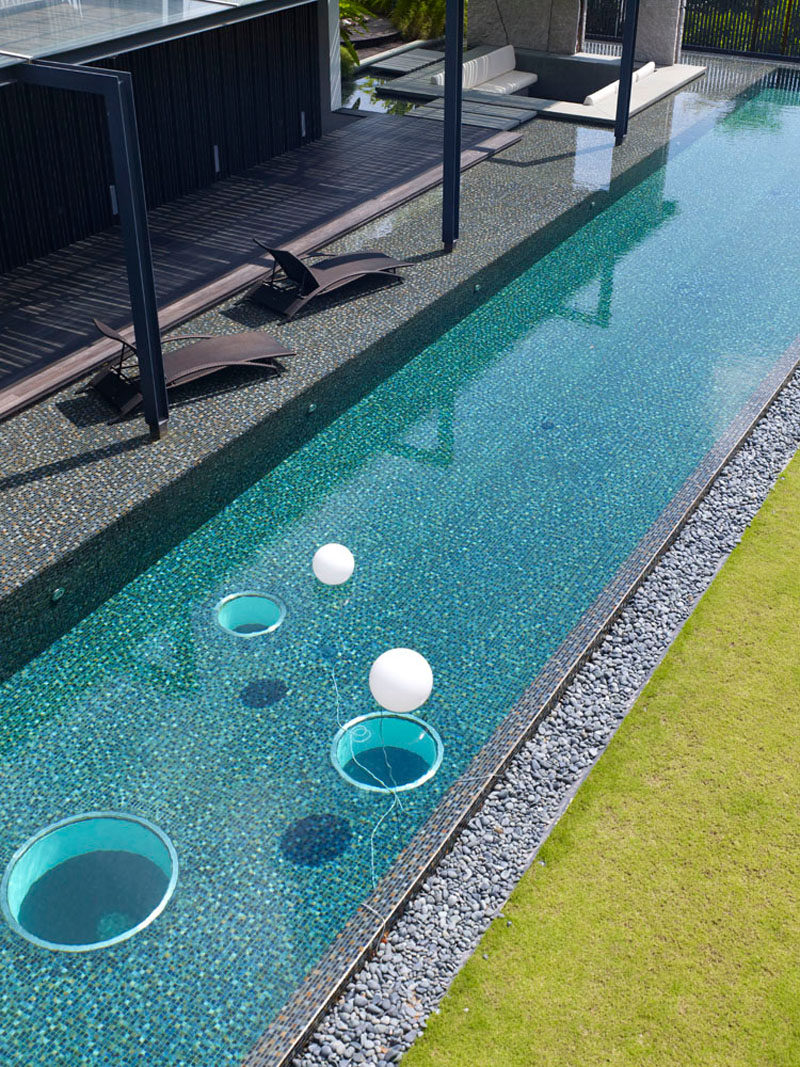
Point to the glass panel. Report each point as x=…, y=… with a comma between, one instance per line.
x=37, y=28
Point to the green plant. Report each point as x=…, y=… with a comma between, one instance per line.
x=419, y=18
x=351, y=13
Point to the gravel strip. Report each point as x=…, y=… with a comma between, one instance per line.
x=386, y=1005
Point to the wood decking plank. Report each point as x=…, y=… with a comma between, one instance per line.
x=486, y=121
x=202, y=245
x=407, y=62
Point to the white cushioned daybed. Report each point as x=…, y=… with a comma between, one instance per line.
x=493, y=73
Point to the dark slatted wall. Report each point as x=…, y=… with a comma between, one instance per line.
x=241, y=88
x=54, y=171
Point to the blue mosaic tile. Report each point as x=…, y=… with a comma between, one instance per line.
x=491, y=490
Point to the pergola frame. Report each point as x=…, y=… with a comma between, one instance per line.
x=626, y=70
x=116, y=89
x=453, y=84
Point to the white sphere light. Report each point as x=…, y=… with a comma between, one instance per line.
x=401, y=680
x=333, y=564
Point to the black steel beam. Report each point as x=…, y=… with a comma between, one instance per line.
x=453, y=82
x=626, y=70
x=116, y=88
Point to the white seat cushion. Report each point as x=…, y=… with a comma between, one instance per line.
x=508, y=83
x=601, y=94
x=611, y=90
x=483, y=68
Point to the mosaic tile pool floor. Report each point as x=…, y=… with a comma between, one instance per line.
x=489, y=491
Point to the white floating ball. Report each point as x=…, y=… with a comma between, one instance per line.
x=401, y=680
x=333, y=564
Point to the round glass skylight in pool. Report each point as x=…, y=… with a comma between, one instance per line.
x=387, y=753
x=89, y=882
x=250, y=614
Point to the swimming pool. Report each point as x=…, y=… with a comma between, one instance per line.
x=489, y=490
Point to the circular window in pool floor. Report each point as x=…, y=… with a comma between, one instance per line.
x=387, y=752
x=250, y=614
x=89, y=882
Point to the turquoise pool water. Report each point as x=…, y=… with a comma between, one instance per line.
x=489, y=491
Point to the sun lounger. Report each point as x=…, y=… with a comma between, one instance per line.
x=206, y=354
x=302, y=281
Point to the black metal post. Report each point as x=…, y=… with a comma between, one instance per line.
x=138, y=259
x=626, y=70
x=786, y=27
x=453, y=82
x=116, y=88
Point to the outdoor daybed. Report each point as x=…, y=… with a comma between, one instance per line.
x=493, y=73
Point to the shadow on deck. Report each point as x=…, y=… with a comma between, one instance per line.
x=202, y=243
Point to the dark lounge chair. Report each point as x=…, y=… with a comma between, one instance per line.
x=301, y=281
x=207, y=354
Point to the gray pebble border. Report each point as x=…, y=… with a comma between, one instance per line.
x=386, y=1005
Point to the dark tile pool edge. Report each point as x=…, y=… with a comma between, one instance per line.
x=355, y=944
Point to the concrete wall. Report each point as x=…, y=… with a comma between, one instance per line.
x=566, y=17
x=558, y=26
x=543, y=25
x=660, y=31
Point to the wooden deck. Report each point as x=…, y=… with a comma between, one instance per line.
x=202, y=244
x=495, y=116
x=408, y=62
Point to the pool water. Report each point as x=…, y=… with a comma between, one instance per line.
x=92, y=897
x=361, y=94
x=489, y=491
x=386, y=766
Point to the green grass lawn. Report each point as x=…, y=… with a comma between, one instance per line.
x=663, y=926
